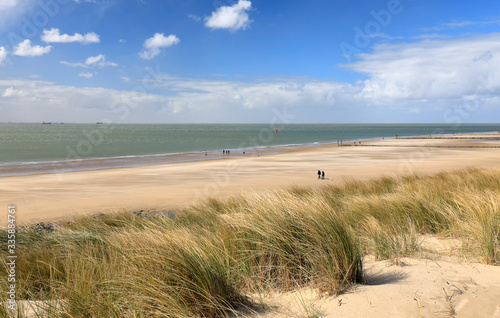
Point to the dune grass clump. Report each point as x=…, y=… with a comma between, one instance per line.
x=192, y=273
x=477, y=220
x=148, y=268
x=286, y=243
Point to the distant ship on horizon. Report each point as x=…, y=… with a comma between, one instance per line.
x=46, y=123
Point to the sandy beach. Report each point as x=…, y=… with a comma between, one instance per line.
x=423, y=287
x=62, y=196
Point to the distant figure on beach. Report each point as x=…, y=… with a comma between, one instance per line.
x=319, y=174
x=322, y=175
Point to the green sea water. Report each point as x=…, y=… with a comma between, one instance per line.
x=35, y=143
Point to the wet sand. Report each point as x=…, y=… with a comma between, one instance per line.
x=62, y=196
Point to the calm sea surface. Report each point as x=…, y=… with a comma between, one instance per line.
x=36, y=148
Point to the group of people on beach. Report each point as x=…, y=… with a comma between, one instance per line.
x=228, y=152
x=321, y=174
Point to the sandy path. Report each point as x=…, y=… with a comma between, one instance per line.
x=52, y=197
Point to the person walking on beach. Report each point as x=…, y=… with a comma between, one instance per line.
x=322, y=175
x=319, y=174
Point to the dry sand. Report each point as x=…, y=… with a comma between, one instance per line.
x=422, y=288
x=433, y=288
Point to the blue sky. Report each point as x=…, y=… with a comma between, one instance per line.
x=171, y=61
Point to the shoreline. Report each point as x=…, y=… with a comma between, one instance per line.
x=103, y=163
x=167, y=187
x=91, y=164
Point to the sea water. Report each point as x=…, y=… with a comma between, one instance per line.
x=36, y=148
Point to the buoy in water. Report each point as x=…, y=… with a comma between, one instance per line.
x=276, y=130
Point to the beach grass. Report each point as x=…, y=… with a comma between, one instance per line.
x=212, y=258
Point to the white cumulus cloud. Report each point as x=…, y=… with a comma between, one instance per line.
x=153, y=45
x=26, y=48
x=98, y=60
x=86, y=75
x=233, y=17
x=53, y=36
x=3, y=54
x=95, y=59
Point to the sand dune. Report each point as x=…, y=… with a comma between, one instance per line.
x=420, y=288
